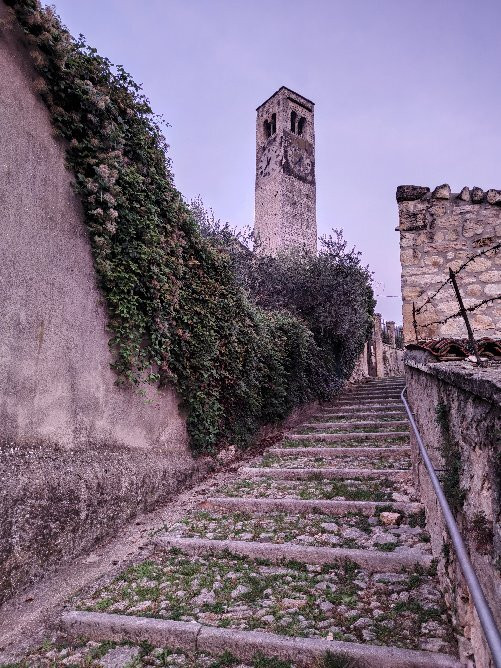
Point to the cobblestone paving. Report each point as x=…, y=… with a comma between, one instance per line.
x=338, y=601
x=342, y=461
x=340, y=428
x=345, y=443
x=356, y=489
x=125, y=655
x=353, y=530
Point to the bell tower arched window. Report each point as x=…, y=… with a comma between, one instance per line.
x=270, y=126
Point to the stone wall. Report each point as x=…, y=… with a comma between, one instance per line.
x=458, y=412
x=379, y=359
x=393, y=361
x=78, y=454
x=440, y=230
x=285, y=210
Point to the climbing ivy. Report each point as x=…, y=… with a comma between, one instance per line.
x=177, y=313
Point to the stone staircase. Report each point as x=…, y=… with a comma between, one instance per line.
x=314, y=555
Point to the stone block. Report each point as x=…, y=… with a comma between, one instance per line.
x=482, y=263
x=474, y=290
x=434, y=261
x=472, y=228
x=491, y=276
x=477, y=195
x=481, y=321
x=410, y=193
x=464, y=195
x=409, y=256
x=493, y=290
x=494, y=196
x=484, y=241
x=442, y=192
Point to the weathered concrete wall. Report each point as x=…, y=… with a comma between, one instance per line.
x=78, y=455
x=470, y=398
x=440, y=230
x=285, y=209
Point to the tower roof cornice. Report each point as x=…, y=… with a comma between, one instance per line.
x=288, y=90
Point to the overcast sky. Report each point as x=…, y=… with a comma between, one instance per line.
x=406, y=91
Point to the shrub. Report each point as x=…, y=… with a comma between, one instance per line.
x=180, y=308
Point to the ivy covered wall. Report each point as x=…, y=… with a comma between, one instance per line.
x=177, y=312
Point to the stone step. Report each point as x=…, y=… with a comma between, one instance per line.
x=353, y=424
x=304, y=506
x=340, y=451
x=288, y=459
x=349, y=401
x=375, y=387
x=193, y=637
x=389, y=531
x=290, y=598
x=324, y=473
x=350, y=436
x=373, y=403
x=374, y=415
x=317, y=487
x=372, y=410
x=346, y=443
x=390, y=389
x=369, y=560
x=372, y=395
x=367, y=398
x=362, y=398
x=391, y=380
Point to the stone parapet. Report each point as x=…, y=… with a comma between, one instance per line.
x=457, y=408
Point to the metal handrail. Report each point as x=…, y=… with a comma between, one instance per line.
x=484, y=613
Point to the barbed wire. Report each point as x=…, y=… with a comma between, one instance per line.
x=458, y=313
x=461, y=267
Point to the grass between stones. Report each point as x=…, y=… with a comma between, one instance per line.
x=353, y=530
x=356, y=489
x=351, y=443
x=377, y=418
x=337, y=601
x=343, y=461
x=83, y=654
x=366, y=429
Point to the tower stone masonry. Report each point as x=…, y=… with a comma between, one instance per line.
x=285, y=214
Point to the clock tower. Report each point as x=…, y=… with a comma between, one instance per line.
x=285, y=215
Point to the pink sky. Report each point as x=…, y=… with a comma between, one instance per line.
x=406, y=91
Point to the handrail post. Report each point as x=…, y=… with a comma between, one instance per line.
x=484, y=613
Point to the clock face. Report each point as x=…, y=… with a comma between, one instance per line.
x=299, y=162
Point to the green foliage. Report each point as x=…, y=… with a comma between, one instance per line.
x=451, y=454
x=260, y=661
x=178, y=302
x=336, y=660
x=226, y=660
x=330, y=292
